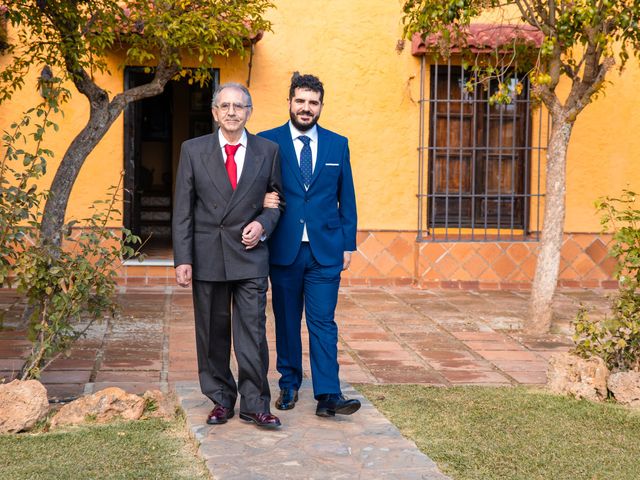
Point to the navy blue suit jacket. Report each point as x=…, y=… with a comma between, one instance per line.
x=328, y=207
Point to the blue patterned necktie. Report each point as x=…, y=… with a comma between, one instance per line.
x=305, y=160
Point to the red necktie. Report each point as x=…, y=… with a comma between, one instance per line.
x=230, y=164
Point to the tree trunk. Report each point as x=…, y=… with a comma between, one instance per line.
x=547, y=265
x=100, y=120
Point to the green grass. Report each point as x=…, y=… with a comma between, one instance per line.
x=514, y=433
x=149, y=449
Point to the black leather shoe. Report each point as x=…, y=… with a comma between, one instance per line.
x=262, y=419
x=330, y=404
x=219, y=415
x=287, y=399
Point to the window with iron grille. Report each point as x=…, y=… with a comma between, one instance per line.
x=481, y=180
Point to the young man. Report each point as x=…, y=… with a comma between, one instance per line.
x=218, y=228
x=310, y=247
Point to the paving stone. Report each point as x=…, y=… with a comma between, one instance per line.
x=468, y=365
x=126, y=376
x=355, y=336
x=404, y=375
x=72, y=364
x=502, y=344
x=11, y=364
x=382, y=356
x=528, y=377
x=65, y=376
x=538, y=365
x=186, y=375
x=508, y=355
x=132, y=364
x=447, y=355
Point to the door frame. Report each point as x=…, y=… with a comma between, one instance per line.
x=132, y=150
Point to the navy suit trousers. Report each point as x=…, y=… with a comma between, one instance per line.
x=306, y=285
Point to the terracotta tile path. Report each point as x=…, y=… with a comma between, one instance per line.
x=387, y=335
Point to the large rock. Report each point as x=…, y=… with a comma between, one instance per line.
x=570, y=374
x=625, y=387
x=22, y=404
x=101, y=407
x=159, y=405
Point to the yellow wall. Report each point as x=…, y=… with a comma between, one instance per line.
x=604, y=153
x=371, y=97
x=102, y=168
x=371, y=94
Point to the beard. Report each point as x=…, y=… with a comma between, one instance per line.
x=303, y=127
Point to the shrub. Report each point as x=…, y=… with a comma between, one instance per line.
x=616, y=338
x=70, y=287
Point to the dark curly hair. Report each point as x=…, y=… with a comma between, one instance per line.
x=306, y=82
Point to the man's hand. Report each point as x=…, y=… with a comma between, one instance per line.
x=183, y=275
x=271, y=200
x=346, y=260
x=251, y=234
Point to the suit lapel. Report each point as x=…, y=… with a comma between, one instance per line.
x=289, y=153
x=214, y=166
x=323, y=153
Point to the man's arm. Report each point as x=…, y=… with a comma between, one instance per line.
x=182, y=221
x=269, y=217
x=347, y=205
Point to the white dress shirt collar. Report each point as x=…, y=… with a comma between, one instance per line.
x=223, y=141
x=312, y=133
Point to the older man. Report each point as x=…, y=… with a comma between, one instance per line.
x=219, y=228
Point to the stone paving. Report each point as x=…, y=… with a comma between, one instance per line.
x=362, y=446
x=387, y=335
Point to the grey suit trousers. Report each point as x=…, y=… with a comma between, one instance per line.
x=225, y=310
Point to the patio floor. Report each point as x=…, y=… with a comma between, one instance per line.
x=387, y=335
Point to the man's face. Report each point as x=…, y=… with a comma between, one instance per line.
x=231, y=112
x=305, y=108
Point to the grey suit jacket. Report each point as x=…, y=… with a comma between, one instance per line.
x=209, y=216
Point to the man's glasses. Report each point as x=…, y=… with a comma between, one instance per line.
x=238, y=107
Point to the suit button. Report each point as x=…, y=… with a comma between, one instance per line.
x=221, y=227
x=215, y=205
x=302, y=220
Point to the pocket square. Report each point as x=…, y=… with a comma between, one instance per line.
x=332, y=164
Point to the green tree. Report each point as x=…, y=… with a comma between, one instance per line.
x=583, y=41
x=71, y=40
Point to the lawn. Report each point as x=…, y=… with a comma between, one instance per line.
x=149, y=449
x=513, y=433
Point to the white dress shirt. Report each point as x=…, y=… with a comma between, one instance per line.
x=240, y=153
x=297, y=145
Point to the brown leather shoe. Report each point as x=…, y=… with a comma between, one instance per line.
x=219, y=415
x=265, y=420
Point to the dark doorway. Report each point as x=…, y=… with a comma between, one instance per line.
x=154, y=129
